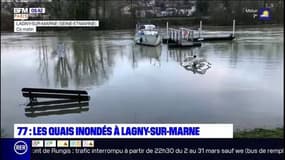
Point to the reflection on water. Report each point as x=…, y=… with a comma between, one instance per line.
x=43, y=62
x=63, y=70
x=81, y=61
x=129, y=83
x=147, y=53
x=55, y=107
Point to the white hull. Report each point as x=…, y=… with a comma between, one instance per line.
x=149, y=40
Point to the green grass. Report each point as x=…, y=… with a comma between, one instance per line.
x=260, y=133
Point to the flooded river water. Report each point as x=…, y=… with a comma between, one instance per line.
x=137, y=84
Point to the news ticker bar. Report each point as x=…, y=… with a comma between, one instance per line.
x=242, y=149
x=85, y=131
x=31, y=25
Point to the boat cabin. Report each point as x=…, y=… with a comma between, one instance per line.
x=147, y=27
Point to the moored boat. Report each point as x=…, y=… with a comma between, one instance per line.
x=147, y=34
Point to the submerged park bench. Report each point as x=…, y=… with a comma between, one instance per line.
x=34, y=93
x=56, y=107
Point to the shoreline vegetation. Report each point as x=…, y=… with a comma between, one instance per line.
x=125, y=14
x=260, y=133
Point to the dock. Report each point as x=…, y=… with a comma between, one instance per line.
x=186, y=37
x=184, y=44
x=181, y=37
x=226, y=37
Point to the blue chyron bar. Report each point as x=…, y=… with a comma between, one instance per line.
x=194, y=149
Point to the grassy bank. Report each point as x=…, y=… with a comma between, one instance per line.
x=260, y=133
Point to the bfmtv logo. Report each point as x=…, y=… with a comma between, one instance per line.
x=20, y=147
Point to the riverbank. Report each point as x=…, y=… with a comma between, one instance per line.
x=260, y=133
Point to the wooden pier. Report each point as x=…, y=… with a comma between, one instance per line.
x=185, y=37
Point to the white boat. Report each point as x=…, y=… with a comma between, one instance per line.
x=147, y=34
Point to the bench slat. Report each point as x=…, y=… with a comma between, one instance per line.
x=52, y=102
x=56, y=107
x=54, y=90
x=60, y=112
x=39, y=95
